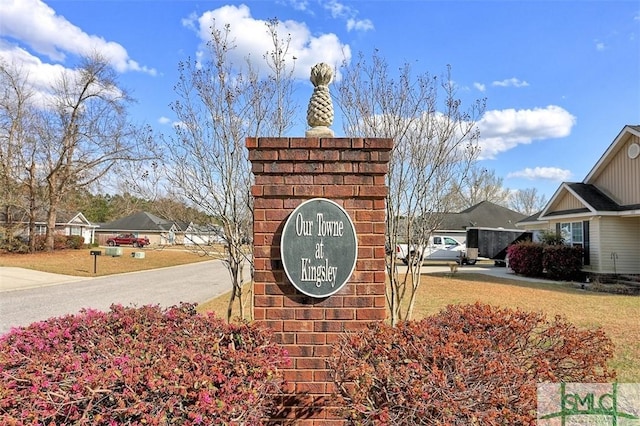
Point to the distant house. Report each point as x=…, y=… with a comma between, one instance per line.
x=484, y=214
x=67, y=223
x=143, y=224
x=159, y=230
x=601, y=214
x=202, y=235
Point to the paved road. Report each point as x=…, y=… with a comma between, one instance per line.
x=196, y=282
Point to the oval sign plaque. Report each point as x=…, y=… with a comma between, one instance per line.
x=319, y=247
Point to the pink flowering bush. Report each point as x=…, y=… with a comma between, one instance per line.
x=138, y=366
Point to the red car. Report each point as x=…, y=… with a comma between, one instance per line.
x=128, y=239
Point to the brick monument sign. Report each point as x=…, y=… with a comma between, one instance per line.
x=319, y=235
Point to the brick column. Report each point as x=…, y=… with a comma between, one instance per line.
x=289, y=171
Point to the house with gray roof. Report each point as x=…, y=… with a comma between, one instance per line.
x=485, y=214
x=143, y=224
x=601, y=214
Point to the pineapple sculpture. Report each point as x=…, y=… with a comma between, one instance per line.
x=320, y=110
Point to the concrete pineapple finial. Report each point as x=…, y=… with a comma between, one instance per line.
x=320, y=110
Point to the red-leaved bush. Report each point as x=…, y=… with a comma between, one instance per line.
x=562, y=262
x=525, y=258
x=467, y=365
x=60, y=242
x=138, y=366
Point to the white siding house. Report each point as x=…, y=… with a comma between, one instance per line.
x=601, y=213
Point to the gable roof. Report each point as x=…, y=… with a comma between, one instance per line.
x=591, y=199
x=73, y=218
x=611, y=151
x=139, y=222
x=484, y=214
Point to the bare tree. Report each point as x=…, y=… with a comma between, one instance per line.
x=85, y=132
x=220, y=103
x=13, y=111
x=480, y=185
x=527, y=201
x=435, y=144
x=20, y=189
x=279, y=81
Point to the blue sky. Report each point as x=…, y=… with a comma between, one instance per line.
x=561, y=78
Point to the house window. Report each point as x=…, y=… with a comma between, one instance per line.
x=41, y=229
x=576, y=234
x=572, y=234
x=76, y=230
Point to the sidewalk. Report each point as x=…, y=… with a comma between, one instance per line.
x=20, y=279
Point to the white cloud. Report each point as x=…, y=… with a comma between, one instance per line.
x=359, y=25
x=510, y=82
x=546, y=173
x=502, y=130
x=164, y=120
x=339, y=10
x=252, y=40
x=41, y=77
x=299, y=4
x=38, y=26
x=600, y=46
x=481, y=87
x=37, y=42
x=39, y=29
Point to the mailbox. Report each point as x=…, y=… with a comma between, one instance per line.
x=95, y=254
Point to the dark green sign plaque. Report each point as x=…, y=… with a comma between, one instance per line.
x=319, y=247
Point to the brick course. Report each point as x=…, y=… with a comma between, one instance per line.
x=289, y=171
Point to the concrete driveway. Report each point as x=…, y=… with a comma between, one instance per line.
x=496, y=271
x=21, y=279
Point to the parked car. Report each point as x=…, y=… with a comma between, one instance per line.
x=438, y=248
x=128, y=239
